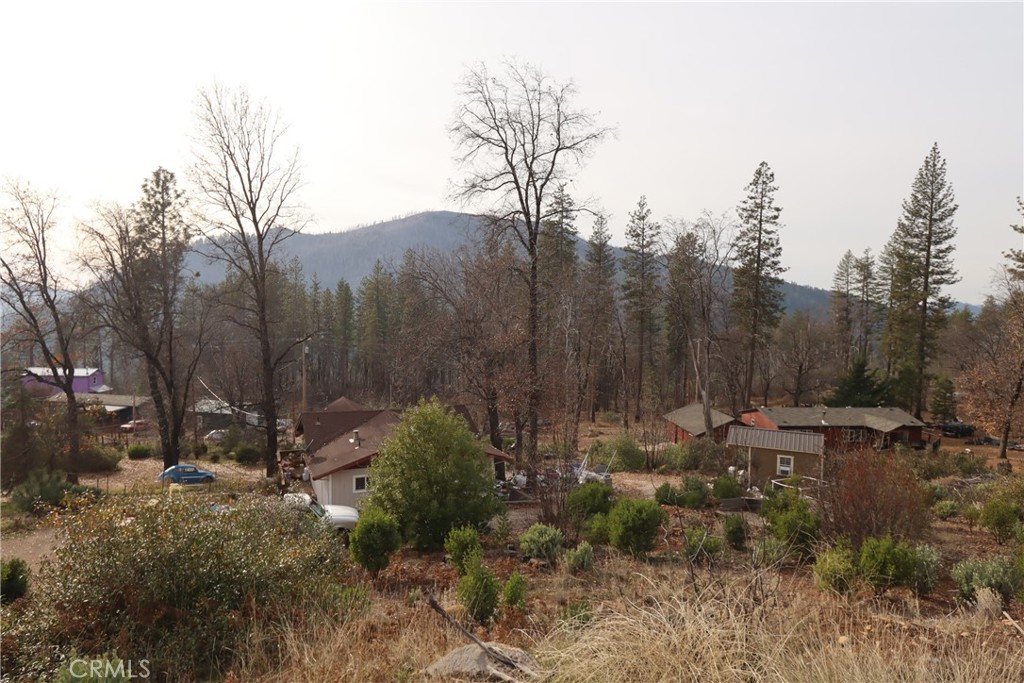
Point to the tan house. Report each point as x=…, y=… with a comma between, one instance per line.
x=774, y=454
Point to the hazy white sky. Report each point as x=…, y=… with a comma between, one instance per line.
x=842, y=100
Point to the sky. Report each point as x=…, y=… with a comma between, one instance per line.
x=843, y=101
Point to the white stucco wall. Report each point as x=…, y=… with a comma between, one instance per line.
x=341, y=488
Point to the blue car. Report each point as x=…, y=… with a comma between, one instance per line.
x=187, y=474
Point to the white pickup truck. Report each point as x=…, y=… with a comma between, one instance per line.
x=338, y=516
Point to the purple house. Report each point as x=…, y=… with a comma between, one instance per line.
x=40, y=381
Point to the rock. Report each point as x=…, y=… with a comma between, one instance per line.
x=844, y=640
x=470, y=663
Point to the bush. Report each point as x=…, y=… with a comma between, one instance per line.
x=945, y=509
x=247, y=454
x=177, y=582
x=478, y=590
x=590, y=499
x=596, y=530
x=694, y=494
x=576, y=613
x=140, y=451
x=623, y=454
x=835, y=570
x=109, y=668
x=502, y=529
x=432, y=476
x=461, y=543
x=792, y=521
x=996, y=573
x=514, y=594
x=666, y=494
x=701, y=546
x=542, y=542
x=97, y=458
x=726, y=487
x=771, y=551
x=40, y=489
x=633, y=525
x=884, y=562
x=971, y=514
x=13, y=579
x=926, y=563
x=375, y=538
x=580, y=558
x=680, y=457
x=1000, y=516
x=735, y=531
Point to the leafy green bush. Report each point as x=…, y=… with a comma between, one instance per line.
x=702, y=546
x=514, y=594
x=375, y=538
x=666, y=494
x=140, y=451
x=791, y=520
x=633, y=525
x=432, y=475
x=596, y=530
x=623, y=454
x=735, y=531
x=835, y=570
x=726, y=487
x=580, y=558
x=694, y=493
x=771, y=551
x=247, y=454
x=884, y=562
x=478, y=590
x=40, y=489
x=1000, y=516
x=576, y=613
x=97, y=458
x=233, y=438
x=14, y=575
x=969, y=465
x=945, y=509
x=679, y=457
x=996, y=573
x=971, y=514
x=925, y=565
x=589, y=499
x=460, y=544
x=502, y=529
x=542, y=542
x=179, y=581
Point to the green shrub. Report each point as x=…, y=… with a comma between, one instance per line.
x=580, y=558
x=633, y=525
x=944, y=509
x=247, y=454
x=97, y=458
x=589, y=499
x=13, y=579
x=576, y=613
x=835, y=570
x=460, y=544
x=726, y=487
x=478, y=590
x=215, y=457
x=502, y=530
x=707, y=455
x=1000, y=516
x=925, y=565
x=375, y=538
x=694, y=494
x=971, y=514
x=969, y=465
x=623, y=454
x=233, y=438
x=791, y=520
x=140, y=451
x=108, y=668
x=701, y=546
x=542, y=542
x=771, y=551
x=666, y=494
x=39, y=490
x=514, y=594
x=735, y=531
x=596, y=530
x=996, y=573
x=884, y=562
x=177, y=582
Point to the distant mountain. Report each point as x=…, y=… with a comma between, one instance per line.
x=350, y=255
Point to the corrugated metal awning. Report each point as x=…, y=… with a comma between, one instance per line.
x=773, y=439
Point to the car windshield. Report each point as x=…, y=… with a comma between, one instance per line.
x=317, y=509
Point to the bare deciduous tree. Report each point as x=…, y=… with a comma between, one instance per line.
x=39, y=297
x=519, y=137
x=248, y=186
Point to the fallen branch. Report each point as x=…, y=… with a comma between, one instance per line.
x=1015, y=624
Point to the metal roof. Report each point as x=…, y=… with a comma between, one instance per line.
x=691, y=418
x=47, y=373
x=879, y=419
x=776, y=440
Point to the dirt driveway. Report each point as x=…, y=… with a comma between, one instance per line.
x=31, y=546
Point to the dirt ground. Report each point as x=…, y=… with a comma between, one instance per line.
x=31, y=546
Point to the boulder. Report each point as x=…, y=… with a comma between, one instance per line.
x=471, y=663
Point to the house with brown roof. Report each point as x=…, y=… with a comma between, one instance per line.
x=687, y=423
x=341, y=442
x=778, y=454
x=844, y=429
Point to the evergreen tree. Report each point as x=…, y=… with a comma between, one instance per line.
x=867, y=297
x=923, y=257
x=1016, y=256
x=556, y=243
x=943, y=400
x=640, y=287
x=598, y=309
x=374, y=317
x=861, y=387
x=757, y=297
x=842, y=304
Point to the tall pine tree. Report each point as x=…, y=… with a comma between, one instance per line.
x=757, y=297
x=640, y=287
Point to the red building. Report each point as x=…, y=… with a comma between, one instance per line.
x=687, y=423
x=844, y=429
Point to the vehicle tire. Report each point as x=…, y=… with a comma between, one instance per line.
x=207, y=480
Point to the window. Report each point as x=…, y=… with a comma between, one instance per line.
x=785, y=467
x=361, y=483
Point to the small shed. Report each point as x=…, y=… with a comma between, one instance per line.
x=773, y=454
x=687, y=423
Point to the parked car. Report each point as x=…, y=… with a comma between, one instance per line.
x=216, y=436
x=186, y=474
x=957, y=430
x=340, y=517
x=135, y=426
